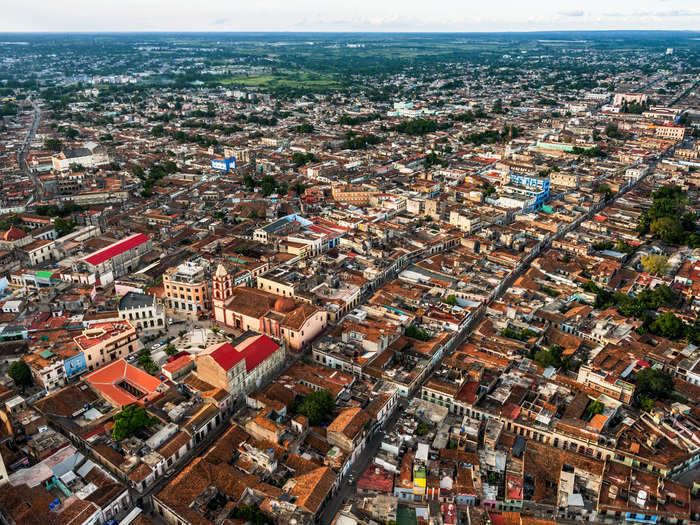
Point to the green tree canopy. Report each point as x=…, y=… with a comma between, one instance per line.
x=317, y=406
x=654, y=384
x=655, y=263
x=63, y=226
x=20, y=373
x=53, y=144
x=130, y=419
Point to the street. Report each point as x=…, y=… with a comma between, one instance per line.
x=346, y=489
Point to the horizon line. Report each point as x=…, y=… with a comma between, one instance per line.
x=386, y=31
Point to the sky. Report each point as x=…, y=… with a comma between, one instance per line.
x=347, y=15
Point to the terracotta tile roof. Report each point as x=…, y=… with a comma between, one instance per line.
x=106, y=381
x=67, y=401
x=312, y=488
x=350, y=422
x=174, y=444
x=141, y=472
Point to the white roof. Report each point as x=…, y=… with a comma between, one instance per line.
x=422, y=452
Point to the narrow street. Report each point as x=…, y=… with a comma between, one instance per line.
x=345, y=488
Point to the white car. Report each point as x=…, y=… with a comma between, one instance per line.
x=155, y=346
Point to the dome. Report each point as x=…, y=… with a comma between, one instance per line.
x=284, y=305
x=14, y=234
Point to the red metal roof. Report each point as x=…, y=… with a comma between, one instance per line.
x=116, y=248
x=254, y=350
x=226, y=356
x=257, y=350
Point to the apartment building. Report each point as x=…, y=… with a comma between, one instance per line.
x=104, y=342
x=187, y=291
x=242, y=365
x=142, y=311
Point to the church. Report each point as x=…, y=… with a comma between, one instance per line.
x=295, y=322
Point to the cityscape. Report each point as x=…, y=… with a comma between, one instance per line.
x=350, y=278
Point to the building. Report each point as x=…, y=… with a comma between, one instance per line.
x=119, y=258
x=102, y=343
x=66, y=487
x=14, y=237
x=142, y=311
x=39, y=251
x=621, y=98
x=283, y=318
x=670, y=131
x=241, y=366
x=91, y=155
x=123, y=384
x=48, y=369
x=186, y=290
x=223, y=164
x=355, y=195
x=567, y=180
x=348, y=429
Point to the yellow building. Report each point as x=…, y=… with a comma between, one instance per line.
x=186, y=290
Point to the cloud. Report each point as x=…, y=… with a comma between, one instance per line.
x=573, y=12
x=221, y=21
x=672, y=13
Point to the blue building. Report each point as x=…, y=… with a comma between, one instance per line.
x=75, y=365
x=533, y=186
x=223, y=164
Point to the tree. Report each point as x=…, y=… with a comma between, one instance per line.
x=417, y=126
x=487, y=190
x=668, y=325
x=268, y=185
x=417, y=333
x=299, y=159
x=668, y=229
x=53, y=144
x=249, y=181
x=131, y=419
x=422, y=429
x=646, y=403
x=302, y=129
x=170, y=350
x=318, y=406
x=251, y=513
x=298, y=188
x=593, y=408
x=157, y=131
x=654, y=384
x=612, y=131
x=20, y=373
x=451, y=300
x=606, y=191
x=63, y=226
x=655, y=263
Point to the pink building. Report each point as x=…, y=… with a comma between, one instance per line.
x=102, y=343
x=297, y=323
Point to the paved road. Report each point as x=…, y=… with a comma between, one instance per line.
x=22, y=155
x=346, y=489
x=30, y=136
